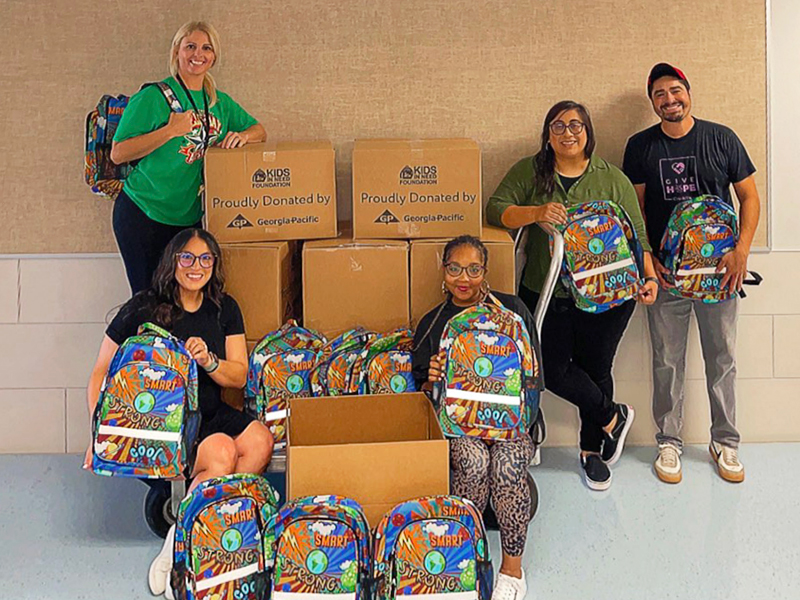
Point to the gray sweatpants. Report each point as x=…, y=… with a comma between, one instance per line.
x=669, y=329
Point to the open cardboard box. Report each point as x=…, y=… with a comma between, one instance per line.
x=379, y=450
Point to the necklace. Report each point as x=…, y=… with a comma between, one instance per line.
x=206, y=122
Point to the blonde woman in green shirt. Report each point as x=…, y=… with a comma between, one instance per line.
x=578, y=347
x=161, y=194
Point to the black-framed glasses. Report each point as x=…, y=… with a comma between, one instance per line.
x=559, y=127
x=187, y=259
x=473, y=270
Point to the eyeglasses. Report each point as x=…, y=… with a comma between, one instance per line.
x=187, y=260
x=559, y=127
x=473, y=270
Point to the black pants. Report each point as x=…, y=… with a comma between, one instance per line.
x=578, y=350
x=141, y=241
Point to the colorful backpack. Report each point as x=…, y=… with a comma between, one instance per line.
x=279, y=369
x=603, y=259
x=331, y=374
x=384, y=366
x=146, y=420
x=321, y=545
x=698, y=234
x=492, y=379
x=220, y=538
x=432, y=547
x=102, y=175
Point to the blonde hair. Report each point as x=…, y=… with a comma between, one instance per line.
x=209, y=85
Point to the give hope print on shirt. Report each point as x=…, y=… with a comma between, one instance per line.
x=678, y=178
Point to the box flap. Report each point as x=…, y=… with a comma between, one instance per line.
x=361, y=419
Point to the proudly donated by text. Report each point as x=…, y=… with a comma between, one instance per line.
x=266, y=201
x=416, y=198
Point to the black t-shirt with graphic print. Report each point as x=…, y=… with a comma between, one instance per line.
x=707, y=160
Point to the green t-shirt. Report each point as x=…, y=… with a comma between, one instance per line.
x=600, y=181
x=165, y=184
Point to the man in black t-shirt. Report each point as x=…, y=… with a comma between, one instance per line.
x=678, y=159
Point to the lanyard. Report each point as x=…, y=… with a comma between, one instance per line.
x=206, y=123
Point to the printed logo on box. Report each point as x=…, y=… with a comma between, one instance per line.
x=239, y=221
x=386, y=217
x=419, y=175
x=271, y=178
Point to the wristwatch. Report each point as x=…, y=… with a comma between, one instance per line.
x=654, y=279
x=213, y=365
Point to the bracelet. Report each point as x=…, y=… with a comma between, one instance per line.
x=653, y=279
x=214, y=364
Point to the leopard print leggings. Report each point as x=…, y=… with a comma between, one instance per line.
x=478, y=469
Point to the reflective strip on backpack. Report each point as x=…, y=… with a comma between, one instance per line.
x=604, y=269
x=142, y=434
x=241, y=573
x=482, y=397
x=276, y=595
x=276, y=415
x=700, y=271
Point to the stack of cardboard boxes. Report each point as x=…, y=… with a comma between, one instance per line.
x=383, y=271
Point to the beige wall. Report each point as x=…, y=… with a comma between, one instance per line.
x=361, y=68
x=314, y=69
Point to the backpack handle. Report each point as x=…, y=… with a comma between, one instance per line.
x=755, y=279
x=159, y=331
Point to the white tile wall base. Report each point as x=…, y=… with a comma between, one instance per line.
x=71, y=290
x=78, y=428
x=34, y=421
x=52, y=312
x=632, y=362
x=779, y=293
x=48, y=356
x=787, y=346
x=9, y=291
x=767, y=411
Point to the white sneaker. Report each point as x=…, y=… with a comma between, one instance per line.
x=668, y=463
x=727, y=459
x=168, y=591
x=509, y=588
x=160, y=568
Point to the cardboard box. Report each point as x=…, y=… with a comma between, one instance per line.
x=268, y=192
x=416, y=188
x=265, y=281
x=348, y=283
x=379, y=450
x=426, y=269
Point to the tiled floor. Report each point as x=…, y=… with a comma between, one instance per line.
x=67, y=534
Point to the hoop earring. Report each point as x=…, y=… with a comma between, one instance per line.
x=485, y=288
x=444, y=289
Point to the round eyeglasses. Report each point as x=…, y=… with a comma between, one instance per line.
x=187, y=260
x=559, y=127
x=473, y=270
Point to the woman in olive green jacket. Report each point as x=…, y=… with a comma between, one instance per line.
x=578, y=347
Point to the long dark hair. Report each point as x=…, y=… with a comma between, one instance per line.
x=162, y=301
x=544, y=163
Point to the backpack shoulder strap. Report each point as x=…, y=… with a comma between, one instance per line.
x=169, y=96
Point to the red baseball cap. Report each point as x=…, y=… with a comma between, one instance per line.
x=664, y=70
